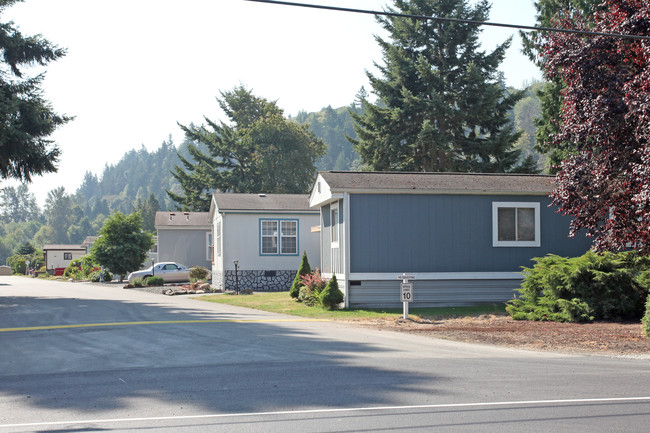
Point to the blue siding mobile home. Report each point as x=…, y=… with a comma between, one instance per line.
x=463, y=236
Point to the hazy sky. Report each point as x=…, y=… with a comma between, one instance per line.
x=134, y=68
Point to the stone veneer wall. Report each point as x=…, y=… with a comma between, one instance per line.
x=259, y=281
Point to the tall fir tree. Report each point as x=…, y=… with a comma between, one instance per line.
x=440, y=104
x=27, y=119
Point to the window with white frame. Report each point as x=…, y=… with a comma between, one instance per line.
x=516, y=224
x=334, y=213
x=289, y=237
x=278, y=237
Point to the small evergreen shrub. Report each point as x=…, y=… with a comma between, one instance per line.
x=155, y=281
x=304, y=269
x=137, y=282
x=331, y=296
x=198, y=273
x=645, y=322
x=603, y=286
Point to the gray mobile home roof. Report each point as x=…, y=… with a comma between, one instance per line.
x=340, y=181
x=227, y=202
x=62, y=247
x=181, y=219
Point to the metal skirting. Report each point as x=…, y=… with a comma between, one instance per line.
x=432, y=293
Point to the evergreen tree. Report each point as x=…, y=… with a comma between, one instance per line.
x=549, y=122
x=25, y=249
x=258, y=151
x=57, y=213
x=147, y=209
x=304, y=269
x=26, y=117
x=441, y=106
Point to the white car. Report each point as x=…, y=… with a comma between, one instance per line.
x=171, y=272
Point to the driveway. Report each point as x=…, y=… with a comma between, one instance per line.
x=88, y=357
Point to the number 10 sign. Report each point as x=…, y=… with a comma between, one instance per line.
x=407, y=292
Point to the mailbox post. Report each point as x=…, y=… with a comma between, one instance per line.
x=406, y=292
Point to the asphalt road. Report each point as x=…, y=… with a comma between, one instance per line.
x=80, y=357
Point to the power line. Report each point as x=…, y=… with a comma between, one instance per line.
x=455, y=20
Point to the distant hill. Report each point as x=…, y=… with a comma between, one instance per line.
x=332, y=126
x=136, y=175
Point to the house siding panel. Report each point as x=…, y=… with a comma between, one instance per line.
x=445, y=233
x=187, y=247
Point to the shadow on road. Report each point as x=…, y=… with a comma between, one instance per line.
x=217, y=367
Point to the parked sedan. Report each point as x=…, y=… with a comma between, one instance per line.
x=170, y=272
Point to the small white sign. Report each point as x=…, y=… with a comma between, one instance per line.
x=405, y=277
x=407, y=292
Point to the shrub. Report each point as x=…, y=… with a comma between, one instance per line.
x=88, y=265
x=19, y=266
x=74, y=270
x=137, y=282
x=95, y=276
x=604, y=286
x=304, y=269
x=645, y=322
x=197, y=273
x=314, y=281
x=155, y=281
x=331, y=296
x=308, y=297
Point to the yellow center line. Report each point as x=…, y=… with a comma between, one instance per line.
x=156, y=322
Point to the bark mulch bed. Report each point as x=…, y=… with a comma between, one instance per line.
x=601, y=338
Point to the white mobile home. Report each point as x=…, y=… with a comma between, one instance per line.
x=266, y=235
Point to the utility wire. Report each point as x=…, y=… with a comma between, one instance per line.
x=456, y=20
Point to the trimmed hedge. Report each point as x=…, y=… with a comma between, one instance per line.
x=607, y=286
x=155, y=281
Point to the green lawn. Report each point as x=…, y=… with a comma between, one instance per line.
x=281, y=302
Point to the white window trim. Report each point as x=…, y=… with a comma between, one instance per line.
x=218, y=238
x=278, y=236
x=208, y=246
x=513, y=204
x=335, y=206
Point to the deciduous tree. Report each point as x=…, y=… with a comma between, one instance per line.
x=605, y=186
x=122, y=245
x=18, y=204
x=257, y=151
